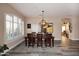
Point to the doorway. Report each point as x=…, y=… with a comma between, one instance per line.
x=66, y=32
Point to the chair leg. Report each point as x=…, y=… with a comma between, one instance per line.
x=49, y=44
x=46, y=44
x=52, y=44
x=25, y=44
x=42, y=44
x=37, y=44
x=33, y=45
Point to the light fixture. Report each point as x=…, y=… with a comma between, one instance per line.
x=43, y=21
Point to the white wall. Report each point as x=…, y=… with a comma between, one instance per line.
x=1, y=29
x=75, y=28
x=7, y=9
x=57, y=26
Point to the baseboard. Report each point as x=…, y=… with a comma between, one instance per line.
x=12, y=47
x=75, y=39
x=57, y=40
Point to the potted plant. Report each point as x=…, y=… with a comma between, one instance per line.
x=3, y=48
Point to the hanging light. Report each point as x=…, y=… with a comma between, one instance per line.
x=43, y=22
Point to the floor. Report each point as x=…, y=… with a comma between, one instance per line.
x=22, y=50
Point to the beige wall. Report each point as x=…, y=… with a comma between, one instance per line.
x=57, y=26
x=75, y=28
x=7, y=9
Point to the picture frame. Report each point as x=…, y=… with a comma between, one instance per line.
x=28, y=26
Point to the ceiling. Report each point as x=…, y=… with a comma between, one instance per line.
x=51, y=9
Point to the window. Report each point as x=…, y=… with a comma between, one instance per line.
x=22, y=31
x=14, y=27
x=20, y=26
x=9, y=27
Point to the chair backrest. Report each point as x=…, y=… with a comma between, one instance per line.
x=39, y=36
x=34, y=34
x=47, y=36
x=30, y=36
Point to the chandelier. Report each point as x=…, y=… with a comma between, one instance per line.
x=43, y=21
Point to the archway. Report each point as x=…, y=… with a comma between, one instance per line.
x=66, y=32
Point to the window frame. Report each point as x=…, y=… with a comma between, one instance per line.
x=19, y=25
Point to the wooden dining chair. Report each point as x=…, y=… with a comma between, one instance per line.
x=39, y=40
x=31, y=40
x=48, y=40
